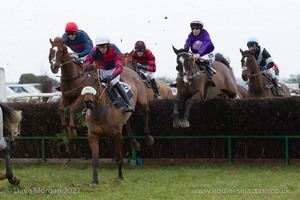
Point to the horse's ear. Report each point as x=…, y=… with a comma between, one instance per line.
x=241, y=51
x=50, y=40
x=186, y=49
x=175, y=50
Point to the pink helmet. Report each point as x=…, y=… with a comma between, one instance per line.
x=71, y=27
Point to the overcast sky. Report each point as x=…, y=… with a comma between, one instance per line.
x=27, y=26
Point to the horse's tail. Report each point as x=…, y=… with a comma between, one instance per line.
x=11, y=119
x=219, y=57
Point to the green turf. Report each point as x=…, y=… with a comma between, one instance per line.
x=201, y=181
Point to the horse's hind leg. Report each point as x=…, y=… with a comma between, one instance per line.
x=134, y=143
x=185, y=121
x=176, y=120
x=149, y=139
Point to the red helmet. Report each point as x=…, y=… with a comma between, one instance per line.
x=139, y=46
x=71, y=27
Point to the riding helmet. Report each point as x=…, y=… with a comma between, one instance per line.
x=71, y=27
x=102, y=39
x=139, y=46
x=252, y=41
x=197, y=23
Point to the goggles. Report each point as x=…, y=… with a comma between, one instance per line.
x=71, y=33
x=251, y=46
x=140, y=50
x=102, y=46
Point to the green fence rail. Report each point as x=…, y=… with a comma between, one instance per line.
x=229, y=139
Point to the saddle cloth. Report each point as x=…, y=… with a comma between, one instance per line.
x=115, y=97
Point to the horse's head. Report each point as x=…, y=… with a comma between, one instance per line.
x=128, y=61
x=184, y=63
x=249, y=65
x=89, y=91
x=57, y=54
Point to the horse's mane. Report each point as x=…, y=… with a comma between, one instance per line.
x=11, y=119
x=219, y=57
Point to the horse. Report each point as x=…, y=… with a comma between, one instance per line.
x=104, y=119
x=10, y=121
x=72, y=81
x=163, y=88
x=259, y=84
x=241, y=92
x=193, y=85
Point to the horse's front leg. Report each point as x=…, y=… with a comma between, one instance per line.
x=176, y=120
x=93, y=142
x=61, y=110
x=185, y=121
x=9, y=173
x=73, y=110
x=118, y=153
x=149, y=139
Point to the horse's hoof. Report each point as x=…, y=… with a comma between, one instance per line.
x=93, y=184
x=2, y=176
x=149, y=140
x=176, y=123
x=14, y=181
x=136, y=145
x=73, y=133
x=185, y=124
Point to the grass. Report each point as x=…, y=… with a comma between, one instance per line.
x=201, y=181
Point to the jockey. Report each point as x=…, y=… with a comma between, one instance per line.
x=78, y=41
x=264, y=60
x=109, y=59
x=201, y=46
x=146, y=63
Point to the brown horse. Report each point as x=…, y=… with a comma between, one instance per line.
x=163, y=88
x=193, y=85
x=103, y=119
x=9, y=121
x=241, y=92
x=72, y=81
x=258, y=83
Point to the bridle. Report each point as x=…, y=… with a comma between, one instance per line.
x=187, y=75
x=251, y=74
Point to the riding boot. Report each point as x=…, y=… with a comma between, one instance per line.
x=155, y=89
x=120, y=89
x=277, y=91
x=210, y=73
x=57, y=87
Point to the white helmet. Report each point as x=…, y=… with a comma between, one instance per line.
x=197, y=22
x=102, y=39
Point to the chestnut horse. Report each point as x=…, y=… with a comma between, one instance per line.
x=163, y=88
x=9, y=121
x=104, y=119
x=193, y=85
x=72, y=81
x=258, y=83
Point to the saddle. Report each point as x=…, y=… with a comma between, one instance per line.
x=271, y=85
x=146, y=80
x=115, y=97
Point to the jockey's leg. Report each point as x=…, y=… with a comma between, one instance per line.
x=120, y=89
x=154, y=85
x=278, y=92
